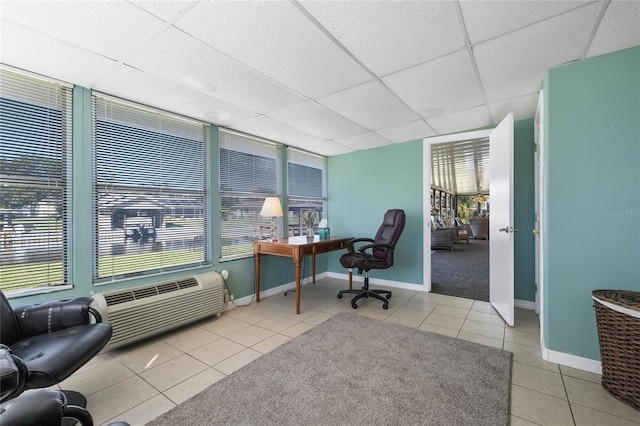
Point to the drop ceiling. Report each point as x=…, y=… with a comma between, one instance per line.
x=327, y=77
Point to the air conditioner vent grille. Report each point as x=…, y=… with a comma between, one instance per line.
x=149, y=291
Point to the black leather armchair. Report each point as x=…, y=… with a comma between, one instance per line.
x=378, y=254
x=52, y=339
x=43, y=407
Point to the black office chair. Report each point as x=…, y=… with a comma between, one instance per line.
x=53, y=340
x=379, y=256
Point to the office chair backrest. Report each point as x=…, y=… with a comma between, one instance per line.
x=389, y=233
x=9, y=331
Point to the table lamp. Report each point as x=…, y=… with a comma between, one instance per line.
x=273, y=208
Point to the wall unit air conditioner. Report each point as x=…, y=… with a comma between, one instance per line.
x=140, y=312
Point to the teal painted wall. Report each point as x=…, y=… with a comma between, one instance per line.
x=592, y=179
x=362, y=186
x=524, y=210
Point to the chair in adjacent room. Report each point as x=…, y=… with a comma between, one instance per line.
x=365, y=254
x=53, y=340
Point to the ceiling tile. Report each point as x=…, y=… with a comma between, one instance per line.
x=327, y=148
x=276, y=39
x=462, y=120
x=182, y=59
x=317, y=120
x=165, y=10
x=486, y=19
x=448, y=83
x=278, y=132
x=364, y=141
x=137, y=86
x=388, y=36
x=113, y=29
x=522, y=107
x=49, y=57
x=371, y=105
x=407, y=132
x=513, y=65
x=619, y=28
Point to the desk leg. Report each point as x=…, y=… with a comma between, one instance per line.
x=297, y=262
x=256, y=258
x=313, y=264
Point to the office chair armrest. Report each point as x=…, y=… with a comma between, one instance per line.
x=351, y=242
x=362, y=249
x=53, y=316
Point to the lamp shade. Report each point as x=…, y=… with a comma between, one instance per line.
x=271, y=207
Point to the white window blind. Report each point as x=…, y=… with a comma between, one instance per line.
x=35, y=165
x=249, y=172
x=306, y=188
x=150, y=190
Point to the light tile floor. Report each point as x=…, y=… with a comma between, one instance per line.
x=139, y=382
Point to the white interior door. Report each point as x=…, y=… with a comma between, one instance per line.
x=501, y=229
x=539, y=216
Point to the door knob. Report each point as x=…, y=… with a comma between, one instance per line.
x=508, y=229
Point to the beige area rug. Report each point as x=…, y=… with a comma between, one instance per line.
x=353, y=370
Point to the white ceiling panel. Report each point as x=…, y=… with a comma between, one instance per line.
x=40, y=54
x=135, y=85
x=326, y=76
x=317, y=120
x=327, y=148
x=447, y=82
x=371, y=105
x=619, y=29
x=276, y=39
x=198, y=66
x=165, y=10
x=277, y=132
x=462, y=120
x=520, y=107
x=388, y=36
x=513, y=65
x=113, y=29
x=407, y=132
x=363, y=141
x=487, y=19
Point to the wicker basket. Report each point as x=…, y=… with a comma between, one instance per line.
x=618, y=318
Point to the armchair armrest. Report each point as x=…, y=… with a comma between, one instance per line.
x=53, y=316
x=362, y=249
x=351, y=242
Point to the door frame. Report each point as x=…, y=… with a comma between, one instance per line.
x=426, y=186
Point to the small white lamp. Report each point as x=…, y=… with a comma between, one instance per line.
x=273, y=208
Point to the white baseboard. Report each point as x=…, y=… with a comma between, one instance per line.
x=524, y=304
x=378, y=281
x=573, y=361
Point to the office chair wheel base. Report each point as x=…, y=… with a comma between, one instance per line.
x=354, y=306
x=385, y=306
x=339, y=295
x=388, y=296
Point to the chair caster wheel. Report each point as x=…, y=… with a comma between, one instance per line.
x=354, y=306
x=339, y=295
x=388, y=296
x=385, y=306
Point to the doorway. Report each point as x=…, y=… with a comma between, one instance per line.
x=460, y=204
x=501, y=227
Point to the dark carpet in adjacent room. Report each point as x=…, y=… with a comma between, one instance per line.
x=463, y=272
x=355, y=370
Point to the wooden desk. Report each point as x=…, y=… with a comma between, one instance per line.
x=296, y=248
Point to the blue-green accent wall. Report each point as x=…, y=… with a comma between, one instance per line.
x=592, y=181
x=362, y=186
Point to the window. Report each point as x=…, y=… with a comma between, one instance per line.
x=35, y=142
x=306, y=187
x=150, y=190
x=248, y=173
